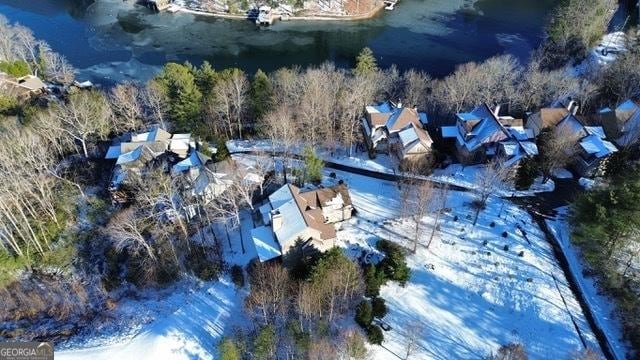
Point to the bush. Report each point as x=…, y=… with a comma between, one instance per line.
x=200, y=265
x=228, y=350
x=378, y=307
x=375, y=335
x=237, y=275
x=526, y=174
x=16, y=68
x=364, y=314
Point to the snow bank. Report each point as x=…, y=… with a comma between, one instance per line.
x=601, y=307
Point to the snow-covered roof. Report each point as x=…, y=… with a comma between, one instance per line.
x=265, y=211
x=595, y=145
x=113, y=152
x=192, y=161
x=266, y=245
x=449, y=131
x=292, y=221
x=407, y=136
x=130, y=156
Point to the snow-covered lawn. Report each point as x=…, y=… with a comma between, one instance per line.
x=469, y=298
x=465, y=176
x=191, y=332
x=358, y=159
x=602, y=307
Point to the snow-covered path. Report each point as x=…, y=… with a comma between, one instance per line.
x=602, y=308
x=191, y=332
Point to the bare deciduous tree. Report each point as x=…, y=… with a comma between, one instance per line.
x=270, y=285
x=493, y=176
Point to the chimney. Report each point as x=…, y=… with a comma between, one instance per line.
x=276, y=220
x=399, y=105
x=573, y=107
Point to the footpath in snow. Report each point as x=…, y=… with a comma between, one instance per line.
x=602, y=308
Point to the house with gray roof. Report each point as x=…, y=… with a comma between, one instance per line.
x=483, y=133
x=622, y=124
x=591, y=148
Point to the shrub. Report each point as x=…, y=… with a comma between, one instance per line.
x=375, y=335
x=373, y=279
x=264, y=343
x=505, y=248
x=364, y=314
x=394, y=264
x=378, y=307
x=16, y=68
x=228, y=350
x=237, y=275
x=526, y=174
x=200, y=265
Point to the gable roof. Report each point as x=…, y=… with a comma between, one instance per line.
x=300, y=210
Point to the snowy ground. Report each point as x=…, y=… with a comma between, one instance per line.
x=604, y=53
x=467, y=297
x=465, y=176
x=602, y=307
x=359, y=159
x=185, y=321
x=191, y=332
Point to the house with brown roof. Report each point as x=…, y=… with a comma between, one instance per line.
x=292, y=215
x=550, y=117
x=393, y=129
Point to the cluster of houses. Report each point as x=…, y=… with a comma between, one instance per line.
x=177, y=154
x=290, y=215
x=487, y=131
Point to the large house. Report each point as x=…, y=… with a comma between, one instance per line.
x=591, y=148
x=393, y=129
x=549, y=117
x=157, y=147
x=482, y=134
x=291, y=215
x=622, y=124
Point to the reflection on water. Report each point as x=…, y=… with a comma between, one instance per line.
x=116, y=39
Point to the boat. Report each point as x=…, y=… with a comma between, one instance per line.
x=390, y=4
x=264, y=16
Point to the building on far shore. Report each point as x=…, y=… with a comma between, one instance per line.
x=291, y=216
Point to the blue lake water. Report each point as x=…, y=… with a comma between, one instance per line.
x=111, y=40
